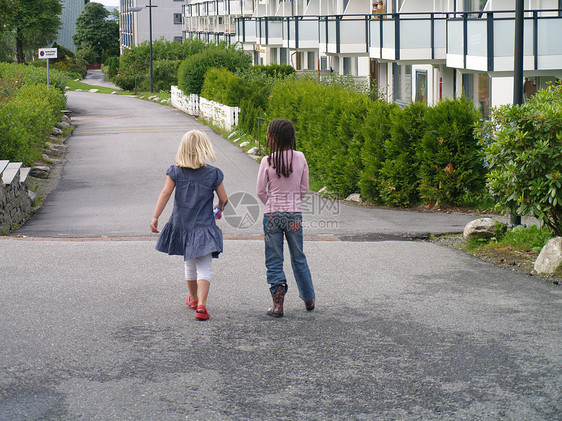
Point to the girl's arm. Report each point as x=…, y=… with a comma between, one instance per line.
x=161, y=202
x=261, y=185
x=223, y=198
x=304, y=181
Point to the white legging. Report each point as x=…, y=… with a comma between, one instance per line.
x=199, y=268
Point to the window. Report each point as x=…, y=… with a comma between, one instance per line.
x=323, y=63
x=178, y=39
x=421, y=86
x=177, y=18
x=310, y=59
x=402, y=77
x=282, y=56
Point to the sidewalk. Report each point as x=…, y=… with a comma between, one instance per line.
x=97, y=78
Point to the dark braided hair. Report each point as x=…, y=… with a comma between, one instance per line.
x=281, y=137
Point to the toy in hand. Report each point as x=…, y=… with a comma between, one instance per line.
x=217, y=212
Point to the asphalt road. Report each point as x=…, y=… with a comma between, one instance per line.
x=94, y=324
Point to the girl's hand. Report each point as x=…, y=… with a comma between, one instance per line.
x=154, y=225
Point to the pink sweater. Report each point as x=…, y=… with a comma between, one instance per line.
x=283, y=194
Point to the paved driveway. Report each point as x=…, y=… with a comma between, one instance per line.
x=94, y=323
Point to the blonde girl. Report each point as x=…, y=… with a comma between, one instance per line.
x=191, y=231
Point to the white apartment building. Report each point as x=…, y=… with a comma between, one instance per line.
x=414, y=50
x=134, y=25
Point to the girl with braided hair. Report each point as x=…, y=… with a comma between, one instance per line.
x=282, y=183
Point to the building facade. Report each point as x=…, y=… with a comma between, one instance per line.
x=71, y=9
x=413, y=50
x=134, y=22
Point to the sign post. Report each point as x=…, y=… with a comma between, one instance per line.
x=47, y=53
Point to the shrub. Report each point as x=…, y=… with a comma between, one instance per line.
x=26, y=122
x=523, y=150
x=451, y=164
x=399, y=172
x=327, y=121
x=18, y=75
x=191, y=73
x=111, y=66
x=274, y=70
x=134, y=64
x=223, y=86
x=372, y=136
x=258, y=83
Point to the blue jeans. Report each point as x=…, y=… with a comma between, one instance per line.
x=288, y=224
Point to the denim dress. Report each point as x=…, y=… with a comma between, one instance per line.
x=191, y=230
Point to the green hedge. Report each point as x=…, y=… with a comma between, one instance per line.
x=223, y=86
x=26, y=121
x=14, y=76
x=133, y=68
x=392, y=156
x=191, y=73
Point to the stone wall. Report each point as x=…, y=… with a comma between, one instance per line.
x=15, y=201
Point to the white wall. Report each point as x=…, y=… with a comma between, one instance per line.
x=162, y=21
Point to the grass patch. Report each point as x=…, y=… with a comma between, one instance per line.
x=74, y=85
x=520, y=239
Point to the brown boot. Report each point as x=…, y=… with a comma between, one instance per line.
x=278, y=298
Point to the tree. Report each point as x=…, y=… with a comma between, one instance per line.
x=94, y=31
x=35, y=23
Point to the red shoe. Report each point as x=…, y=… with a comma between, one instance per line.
x=192, y=304
x=201, y=313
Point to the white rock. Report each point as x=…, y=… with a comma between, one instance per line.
x=93, y=90
x=231, y=134
x=323, y=189
x=63, y=125
x=78, y=90
x=480, y=228
x=244, y=144
x=66, y=119
x=355, y=197
x=57, y=132
x=114, y=92
x=253, y=150
x=550, y=256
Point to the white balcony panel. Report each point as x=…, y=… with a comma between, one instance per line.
x=415, y=34
x=235, y=8
x=275, y=32
x=353, y=37
x=477, y=63
x=455, y=42
x=504, y=43
x=550, y=38
x=388, y=34
x=477, y=38
x=505, y=64
x=455, y=61
x=417, y=54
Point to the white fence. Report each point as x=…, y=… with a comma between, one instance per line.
x=219, y=114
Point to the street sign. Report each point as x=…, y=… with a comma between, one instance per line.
x=47, y=53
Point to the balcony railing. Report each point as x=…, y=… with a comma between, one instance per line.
x=484, y=41
x=479, y=41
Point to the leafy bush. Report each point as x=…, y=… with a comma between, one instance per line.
x=399, y=171
x=451, y=164
x=134, y=63
x=327, y=121
x=274, y=70
x=111, y=67
x=26, y=121
x=18, y=75
x=223, y=86
x=191, y=73
x=523, y=150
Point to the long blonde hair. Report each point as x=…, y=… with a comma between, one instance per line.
x=194, y=148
